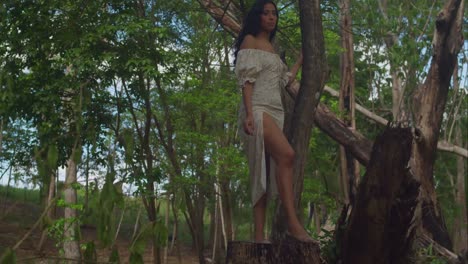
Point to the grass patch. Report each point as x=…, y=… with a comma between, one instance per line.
x=20, y=194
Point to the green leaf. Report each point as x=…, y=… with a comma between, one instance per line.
x=136, y=258
x=90, y=255
x=139, y=243
x=8, y=257
x=160, y=232
x=114, y=256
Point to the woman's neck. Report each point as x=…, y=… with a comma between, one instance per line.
x=264, y=35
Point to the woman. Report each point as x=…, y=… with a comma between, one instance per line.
x=261, y=75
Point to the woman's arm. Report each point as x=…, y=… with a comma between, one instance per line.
x=295, y=68
x=248, y=43
x=247, y=98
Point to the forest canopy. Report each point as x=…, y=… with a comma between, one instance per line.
x=135, y=103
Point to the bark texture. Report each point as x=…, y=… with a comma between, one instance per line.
x=285, y=252
x=381, y=226
x=359, y=146
x=460, y=240
x=429, y=103
x=349, y=166
x=50, y=213
x=71, y=245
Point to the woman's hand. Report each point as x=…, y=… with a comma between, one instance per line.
x=300, y=59
x=294, y=69
x=249, y=125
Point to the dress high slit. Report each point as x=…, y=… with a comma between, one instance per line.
x=269, y=75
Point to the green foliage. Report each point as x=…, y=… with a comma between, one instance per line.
x=114, y=256
x=109, y=198
x=152, y=231
x=55, y=230
x=89, y=255
x=20, y=194
x=150, y=93
x=428, y=255
x=329, y=249
x=8, y=257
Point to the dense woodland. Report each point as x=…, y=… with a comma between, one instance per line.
x=136, y=102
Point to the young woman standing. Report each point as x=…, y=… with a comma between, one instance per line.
x=261, y=76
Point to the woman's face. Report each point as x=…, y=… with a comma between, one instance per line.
x=268, y=17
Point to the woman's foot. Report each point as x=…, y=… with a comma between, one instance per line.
x=300, y=234
x=302, y=238
x=263, y=241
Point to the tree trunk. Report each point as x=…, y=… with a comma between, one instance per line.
x=50, y=213
x=397, y=89
x=166, y=223
x=298, y=127
x=380, y=228
x=1, y=134
x=429, y=103
x=86, y=201
x=7, y=188
x=349, y=166
x=460, y=242
x=227, y=209
x=287, y=251
x=218, y=234
x=175, y=233
x=71, y=244
x=317, y=219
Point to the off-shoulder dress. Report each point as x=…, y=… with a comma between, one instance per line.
x=269, y=75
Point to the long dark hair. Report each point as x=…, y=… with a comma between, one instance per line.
x=252, y=23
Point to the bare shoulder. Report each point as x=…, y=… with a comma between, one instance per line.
x=249, y=42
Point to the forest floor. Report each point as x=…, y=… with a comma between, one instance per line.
x=16, y=219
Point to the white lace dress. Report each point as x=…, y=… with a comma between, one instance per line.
x=269, y=75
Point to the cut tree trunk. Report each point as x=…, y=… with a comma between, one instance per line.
x=387, y=215
x=380, y=228
x=287, y=251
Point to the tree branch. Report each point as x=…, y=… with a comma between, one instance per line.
x=357, y=144
x=441, y=145
x=425, y=241
x=223, y=17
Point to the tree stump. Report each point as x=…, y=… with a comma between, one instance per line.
x=381, y=226
x=286, y=251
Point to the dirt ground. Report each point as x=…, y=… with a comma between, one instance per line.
x=17, y=218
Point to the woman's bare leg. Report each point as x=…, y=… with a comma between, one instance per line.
x=278, y=147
